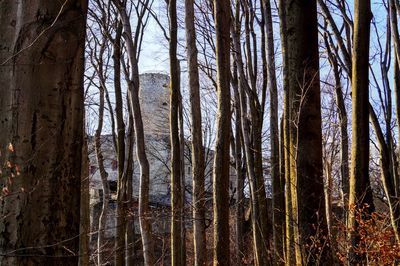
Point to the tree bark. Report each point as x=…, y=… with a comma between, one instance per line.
x=308, y=204
x=222, y=157
x=199, y=233
x=84, y=248
x=176, y=188
x=131, y=43
x=387, y=174
x=278, y=202
x=41, y=115
x=289, y=228
x=240, y=171
x=360, y=187
x=102, y=255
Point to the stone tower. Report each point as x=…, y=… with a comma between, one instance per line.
x=154, y=100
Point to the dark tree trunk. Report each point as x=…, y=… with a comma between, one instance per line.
x=41, y=115
x=222, y=157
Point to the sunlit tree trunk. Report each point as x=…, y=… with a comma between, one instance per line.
x=289, y=241
x=41, y=115
x=360, y=187
x=308, y=204
x=199, y=233
x=222, y=156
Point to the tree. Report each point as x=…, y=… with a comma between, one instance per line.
x=84, y=246
x=360, y=188
x=308, y=205
x=285, y=142
x=222, y=157
x=42, y=94
x=199, y=232
x=132, y=45
x=251, y=126
x=278, y=201
x=176, y=189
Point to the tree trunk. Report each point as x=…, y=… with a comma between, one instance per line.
x=278, y=203
x=102, y=255
x=222, y=156
x=251, y=149
x=240, y=172
x=199, y=233
x=308, y=205
x=360, y=187
x=84, y=248
x=289, y=257
x=387, y=175
x=176, y=189
x=130, y=253
x=344, y=142
x=41, y=117
x=121, y=199
x=133, y=93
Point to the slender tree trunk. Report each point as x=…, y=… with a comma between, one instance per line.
x=278, y=203
x=397, y=95
x=133, y=92
x=289, y=228
x=344, y=136
x=344, y=142
x=199, y=233
x=222, y=157
x=250, y=149
x=102, y=255
x=41, y=117
x=176, y=185
x=240, y=172
x=387, y=175
x=360, y=187
x=282, y=174
x=328, y=194
x=84, y=248
x=130, y=253
x=121, y=200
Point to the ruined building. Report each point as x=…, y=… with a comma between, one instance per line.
x=154, y=96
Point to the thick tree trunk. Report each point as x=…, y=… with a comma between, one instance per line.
x=41, y=115
x=360, y=187
x=222, y=156
x=289, y=245
x=308, y=205
x=199, y=233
